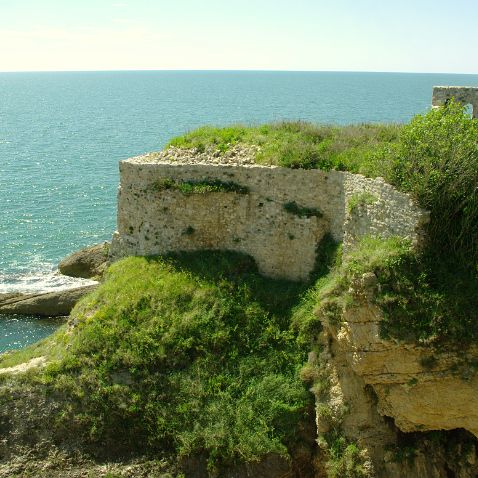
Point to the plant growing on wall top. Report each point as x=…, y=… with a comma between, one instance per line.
x=436, y=161
x=199, y=187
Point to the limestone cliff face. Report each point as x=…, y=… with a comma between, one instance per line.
x=380, y=389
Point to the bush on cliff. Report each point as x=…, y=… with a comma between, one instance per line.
x=414, y=308
x=435, y=159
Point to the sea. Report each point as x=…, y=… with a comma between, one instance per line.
x=62, y=135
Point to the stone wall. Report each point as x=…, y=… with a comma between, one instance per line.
x=466, y=95
x=154, y=220
x=375, y=208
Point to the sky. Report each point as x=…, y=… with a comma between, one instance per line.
x=311, y=35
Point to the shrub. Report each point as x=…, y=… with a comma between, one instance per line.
x=436, y=160
x=190, y=355
x=345, y=459
x=199, y=187
x=415, y=308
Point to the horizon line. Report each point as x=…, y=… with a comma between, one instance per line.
x=236, y=70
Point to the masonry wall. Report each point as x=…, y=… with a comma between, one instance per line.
x=152, y=221
x=463, y=94
x=375, y=208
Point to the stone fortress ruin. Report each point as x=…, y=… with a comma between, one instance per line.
x=277, y=215
x=378, y=390
x=467, y=95
x=186, y=200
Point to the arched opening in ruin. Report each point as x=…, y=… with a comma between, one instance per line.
x=469, y=110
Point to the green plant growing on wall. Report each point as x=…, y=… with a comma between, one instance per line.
x=199, y=187
x=361, y=199
x=301, y=211
x=189, y=231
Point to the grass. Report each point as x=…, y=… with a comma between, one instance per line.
x=359, y=200
x=302, y=145
x=192, y=354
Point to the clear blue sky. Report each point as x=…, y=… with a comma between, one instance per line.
x=345, y=35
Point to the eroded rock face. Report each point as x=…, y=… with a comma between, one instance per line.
x=57, y=303
x=86, y=263
x=381, y=390
x=422, y=389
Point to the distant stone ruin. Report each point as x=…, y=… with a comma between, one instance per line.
x=466, y=95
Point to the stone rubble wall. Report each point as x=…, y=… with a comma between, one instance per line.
x=387, y=213
x=463, y=94
x=153, y=221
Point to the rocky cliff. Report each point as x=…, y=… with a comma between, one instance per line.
x=412, y=410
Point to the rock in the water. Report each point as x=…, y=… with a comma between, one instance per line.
x=86, y=263
x=10, y=295
x=49, y=304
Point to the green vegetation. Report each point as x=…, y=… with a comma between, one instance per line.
x=435, y=159
x=361, y=199
x=345, y=459
x=52, y=346
x=191, y=354
x=413, y=308
x=198, y=355
x=301, y=211
x=200, y=187
x=302, y=145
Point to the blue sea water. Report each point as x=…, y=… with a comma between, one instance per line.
x=62, y=135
